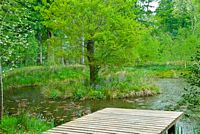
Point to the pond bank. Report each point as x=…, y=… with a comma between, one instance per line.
x=71, y=82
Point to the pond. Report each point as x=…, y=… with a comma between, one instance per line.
x=32, y=101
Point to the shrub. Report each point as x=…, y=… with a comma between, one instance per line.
x=192, y=95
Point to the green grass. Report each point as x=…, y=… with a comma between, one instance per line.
x=24, y=124
x=161, y=70
x=40, y=75
x=72, y=81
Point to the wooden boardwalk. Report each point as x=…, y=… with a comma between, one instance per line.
x=121, y=121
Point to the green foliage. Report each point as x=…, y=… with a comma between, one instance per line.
x=55, y=94
x=109, y=30
x=18, y=44
x=9, y=124
x=173, y=15
x=148, y=49
x=96, y=94
x=171, y=34
x=23, y=124
x=80, y=93
x=192, y=95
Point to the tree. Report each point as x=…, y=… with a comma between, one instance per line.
x=109, y=29
x=21, y=31
x=148, y=49
x=175, y=29
x=173, y=15
x=192, y=96
x=18, y=44
x=1, y=88
x=146, y=11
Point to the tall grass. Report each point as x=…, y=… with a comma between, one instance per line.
x=24, y=124
x=39, y=75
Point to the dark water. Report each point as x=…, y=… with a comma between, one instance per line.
x=32, y=101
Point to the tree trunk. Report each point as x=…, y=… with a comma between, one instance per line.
x=40, y=48
x=63, y=61
x=92, y=65
x=50, y=53
x=83, y=50
x=1, y=95
x=48, y=46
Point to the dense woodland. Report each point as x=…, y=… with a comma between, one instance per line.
x=61, y=32
x=76, y=48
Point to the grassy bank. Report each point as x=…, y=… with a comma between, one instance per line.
x=41, y=75
x=161, y=70
x=23, y=124
x=72, y=81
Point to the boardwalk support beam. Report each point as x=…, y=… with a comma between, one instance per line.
x=172, y=130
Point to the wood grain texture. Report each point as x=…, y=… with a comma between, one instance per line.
x=120, y=121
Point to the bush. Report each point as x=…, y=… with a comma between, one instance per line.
x=192, y=95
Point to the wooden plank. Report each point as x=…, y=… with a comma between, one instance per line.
x=109, y=129
x=125, y=124
x=137, y=110
x=129, y=115
x=158, y=121
x=140, y=112
x=139, y=128
x=90, y=130
x=120, y=121
x=126, y=119
x=74, y=131
x=135, y=125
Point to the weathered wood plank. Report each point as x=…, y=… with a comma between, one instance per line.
x=107, y=129
x=139, y=112
x=118, y=128
x=120, y=121
x=124, y=124
x=92, y=130
x=131, y=119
